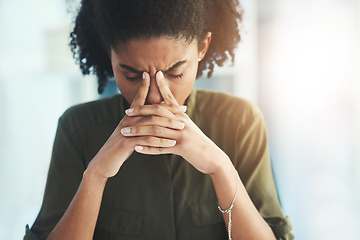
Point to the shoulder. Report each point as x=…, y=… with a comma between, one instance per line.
x=223, y=105
x=94, y=113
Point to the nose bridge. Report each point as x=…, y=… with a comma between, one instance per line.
x=152, y=71
x=154, y=95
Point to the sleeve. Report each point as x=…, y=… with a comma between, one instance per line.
x=252, y=161
x=64, y=177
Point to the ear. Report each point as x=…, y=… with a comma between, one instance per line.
x=204, y=45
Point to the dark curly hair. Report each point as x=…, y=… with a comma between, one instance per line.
x=104, y=24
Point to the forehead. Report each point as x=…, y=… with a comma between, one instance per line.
x=154, y=54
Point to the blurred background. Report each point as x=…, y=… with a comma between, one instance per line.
x=298, y=60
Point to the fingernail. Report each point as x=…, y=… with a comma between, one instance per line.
x=180, y=124
x=129, y=111
x=182, y=108
x=126, y=130
x=172, y=142
x=143, y=75
x=139, y=148
x=160, y=75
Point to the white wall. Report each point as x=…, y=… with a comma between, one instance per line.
x=240, y=79
x=309, y=91
x=357, y=107
x=38, y=81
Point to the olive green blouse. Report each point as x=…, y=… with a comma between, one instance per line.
x=163, y=196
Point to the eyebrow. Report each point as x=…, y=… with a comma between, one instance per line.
x=176, y=65
x=129, y=68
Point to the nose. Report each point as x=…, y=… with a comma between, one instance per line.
x=154, y=95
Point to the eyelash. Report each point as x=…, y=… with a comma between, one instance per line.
x=132, y=79
x=176, y=76
x=139, y=77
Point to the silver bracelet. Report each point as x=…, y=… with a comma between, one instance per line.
x=229, y=209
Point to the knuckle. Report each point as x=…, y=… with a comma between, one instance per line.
x=152, y=119
x=138, y=95
x=136, y=119
x=147, y=139
x=169, y=96
x=134, y=130
x=156, y=129
x=180, y=137
x=158, y=108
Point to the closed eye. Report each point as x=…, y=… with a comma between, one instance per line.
x=175, y=76
x=133, y=78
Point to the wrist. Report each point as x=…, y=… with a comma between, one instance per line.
x=221, y=164
x=220, y=170
x=91, y=175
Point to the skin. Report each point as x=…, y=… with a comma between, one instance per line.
x=156, y=123
x=152, y=56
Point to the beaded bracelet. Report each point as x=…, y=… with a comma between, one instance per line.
x=230, y=208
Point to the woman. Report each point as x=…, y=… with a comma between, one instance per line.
x=157, y=161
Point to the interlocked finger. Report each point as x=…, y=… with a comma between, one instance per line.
x=164, y=122
x=151, y=141
x=162, y=110
x=151, y=130
x=153, y=150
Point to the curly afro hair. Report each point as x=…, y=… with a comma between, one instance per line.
x=103, y=24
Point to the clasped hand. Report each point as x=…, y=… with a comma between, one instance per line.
x=156, y=129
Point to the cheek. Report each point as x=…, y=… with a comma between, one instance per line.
x=129, y=92
x=127, y=88
x=182, y=88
